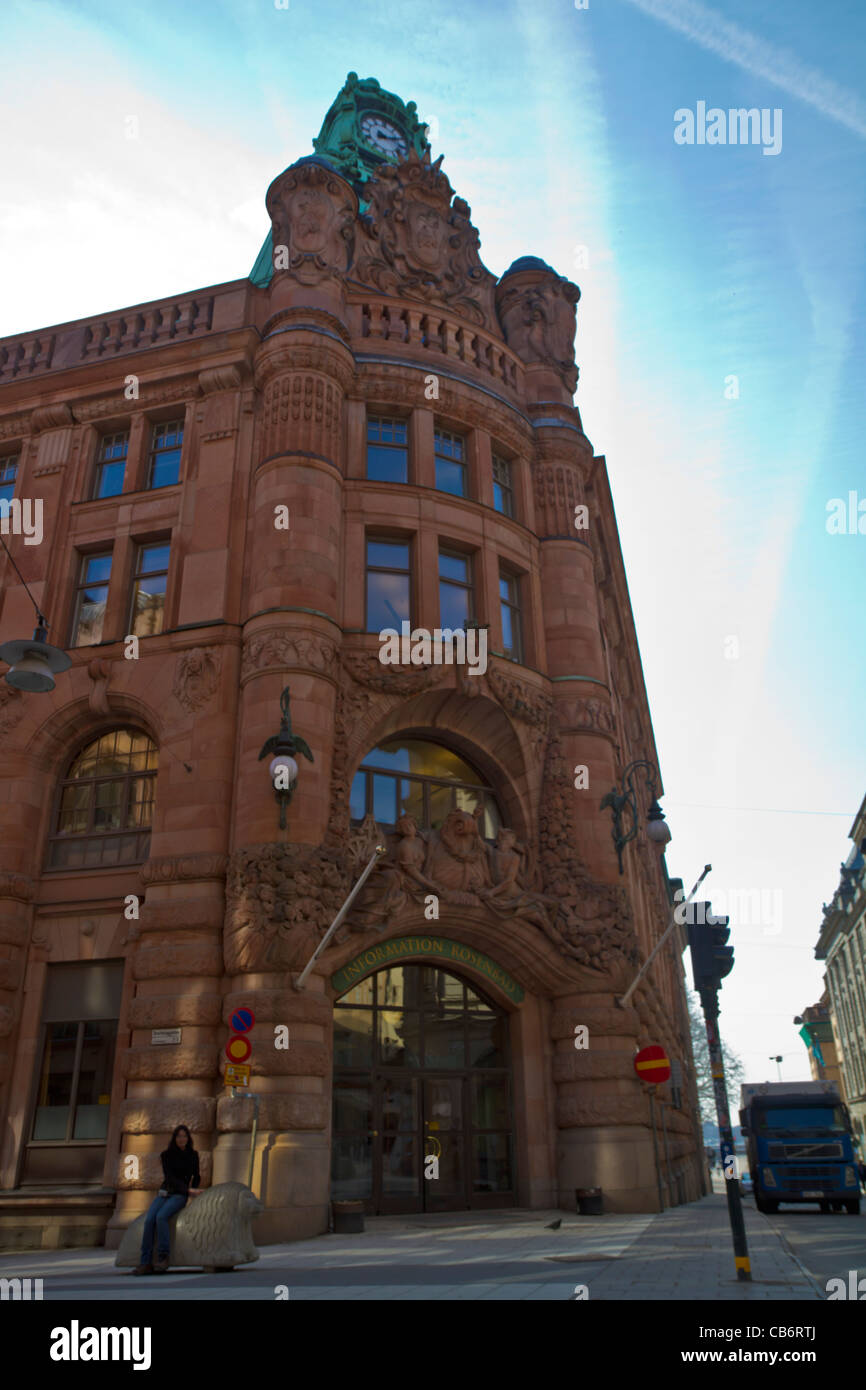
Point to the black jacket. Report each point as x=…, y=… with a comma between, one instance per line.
x=181, y=1171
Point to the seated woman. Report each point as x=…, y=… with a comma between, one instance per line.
x=182, y=1179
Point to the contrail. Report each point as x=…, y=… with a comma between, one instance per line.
x=747, y=51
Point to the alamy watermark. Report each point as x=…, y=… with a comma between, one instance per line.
x=25, y=514
x=441, y=647
x=746, y=907
x=737, y=126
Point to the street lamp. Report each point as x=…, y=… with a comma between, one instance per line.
x=657, y=829
x=282, y=769
x=32, y=663
x=778, y=1060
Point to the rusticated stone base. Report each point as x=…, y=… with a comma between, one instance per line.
x=618, y=1159
x=291, y=1177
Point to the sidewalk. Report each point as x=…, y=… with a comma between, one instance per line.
x=680, y=1255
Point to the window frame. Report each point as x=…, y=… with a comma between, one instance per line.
x=179, y=422
x=379, y=419
x=500, y=461
x=65, y=781
x=81, y=584
x=5, y=461
x=377, y=539
x=69, y=1141
x=462, y=463
x=469, y=585
x=428, y=781
x=516, y=609
x=99, y=464
x=136, y=574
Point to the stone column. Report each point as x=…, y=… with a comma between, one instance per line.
x=16, y=892
x=282, y=887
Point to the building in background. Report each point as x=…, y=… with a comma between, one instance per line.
x=842, y=944
x=816, y=1030
x=243, y=487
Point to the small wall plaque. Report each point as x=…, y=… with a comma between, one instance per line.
x=165, y=1035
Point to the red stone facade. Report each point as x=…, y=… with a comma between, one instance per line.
x=389, y=314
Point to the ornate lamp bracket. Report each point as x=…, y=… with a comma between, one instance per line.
x=624, y=801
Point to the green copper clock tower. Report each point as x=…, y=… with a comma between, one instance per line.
x=365, y=128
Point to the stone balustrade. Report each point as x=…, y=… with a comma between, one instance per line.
x=417, y=326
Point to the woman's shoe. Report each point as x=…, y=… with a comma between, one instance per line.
x=143, y=1269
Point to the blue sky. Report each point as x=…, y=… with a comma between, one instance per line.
x=702, y=263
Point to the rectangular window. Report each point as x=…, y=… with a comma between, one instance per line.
x=165, y=454
x=455, y=590
x=389, y=592
x=90, y=601
x=512, y=635
x=147, y=611
x=387, y=450
x=450, y=455
x=503, y=491
x=110, y=464
x=80, y=1012
x=8, y=474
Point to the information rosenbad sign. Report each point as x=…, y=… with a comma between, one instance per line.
x=418, y=947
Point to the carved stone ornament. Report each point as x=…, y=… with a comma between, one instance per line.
x=196, y=677
x=520, y=700
x=16, y=886
x=50, y=417
x=590, y=713
x=313, y=213
x=367, y=670
x=593, y=923
x=459, y=867
x=268, y=650
x=99, y=671
x=537, y=313
x=11, y=706
x=280, y=900
x=420, y=244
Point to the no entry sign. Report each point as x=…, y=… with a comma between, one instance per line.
x=652, y=1064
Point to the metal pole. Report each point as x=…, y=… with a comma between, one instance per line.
x=710, y=1003
x=253, y=1132
x=378, y=851
x=656, y=1149
x=654, y=952
x=667, y=1153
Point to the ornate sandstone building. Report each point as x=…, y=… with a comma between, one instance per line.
x=255, y=481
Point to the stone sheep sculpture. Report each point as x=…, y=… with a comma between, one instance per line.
x=213, y=1230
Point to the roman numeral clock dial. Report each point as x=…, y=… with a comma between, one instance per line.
x=383, y=136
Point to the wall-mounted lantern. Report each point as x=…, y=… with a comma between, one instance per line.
x=657, y=828
x=283, y=769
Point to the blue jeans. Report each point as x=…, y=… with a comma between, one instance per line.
x=158, y=1213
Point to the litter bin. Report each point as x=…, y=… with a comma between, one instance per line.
x=590, y=1201
x=348, y=1218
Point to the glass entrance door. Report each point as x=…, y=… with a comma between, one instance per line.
x=444, y=1182
x=421, y=1072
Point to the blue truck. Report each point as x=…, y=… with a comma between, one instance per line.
x=800, y=1145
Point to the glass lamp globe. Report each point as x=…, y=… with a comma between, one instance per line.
x=291, y=770
x=657, y=828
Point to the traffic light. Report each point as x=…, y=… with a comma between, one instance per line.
x=712, y=960
x=723, y=956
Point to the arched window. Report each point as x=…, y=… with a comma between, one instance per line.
x=105, y=806
x=413, y=777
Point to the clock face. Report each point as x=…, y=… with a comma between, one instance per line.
x=383, y=136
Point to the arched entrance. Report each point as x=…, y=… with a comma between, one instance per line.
x=422, y=1070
